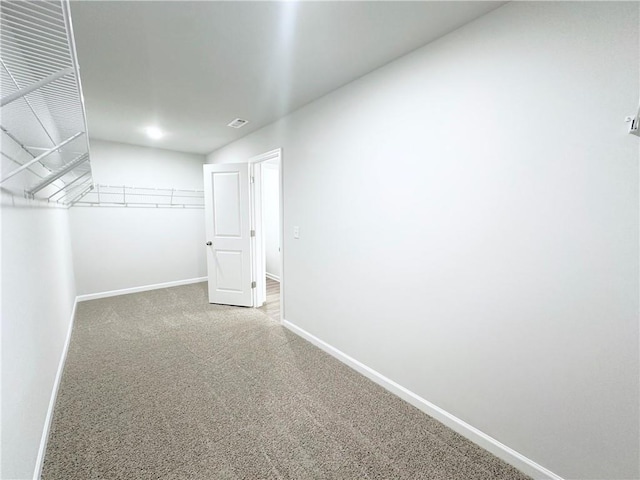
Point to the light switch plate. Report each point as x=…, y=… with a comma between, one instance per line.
x=296, y=232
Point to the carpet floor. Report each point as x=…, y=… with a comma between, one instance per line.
x=163, y=385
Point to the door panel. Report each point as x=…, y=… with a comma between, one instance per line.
x=226, y=204
x=228, y=224
x=229, y=271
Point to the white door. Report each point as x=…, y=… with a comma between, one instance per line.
x=228, y=229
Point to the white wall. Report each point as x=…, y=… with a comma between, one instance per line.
x=37, y=299
x=470, y=216
x=271, y=216
x=116, y=248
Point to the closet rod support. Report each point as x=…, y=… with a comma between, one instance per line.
x=34, y=86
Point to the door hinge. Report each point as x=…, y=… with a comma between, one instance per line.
x=253, y=233
x=253, y=284
x=253, y=179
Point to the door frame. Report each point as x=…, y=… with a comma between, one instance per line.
x=258, y=242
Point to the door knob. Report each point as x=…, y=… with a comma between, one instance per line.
x=209, y=244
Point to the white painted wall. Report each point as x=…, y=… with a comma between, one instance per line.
x=119, y=163
x=470, y=216
x=271, y=216
x=37, y=299
x=116, y=248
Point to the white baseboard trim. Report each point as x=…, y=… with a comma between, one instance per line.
x=272, y=276
x=54, y=395
x=487, y=442
x=143, y=288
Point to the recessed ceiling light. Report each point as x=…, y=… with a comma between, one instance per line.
x=237, y=123
x=154, y=133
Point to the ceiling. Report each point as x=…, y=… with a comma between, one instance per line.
x=190, y=68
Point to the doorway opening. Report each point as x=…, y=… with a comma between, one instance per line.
x=267, y=223
x=244, y=211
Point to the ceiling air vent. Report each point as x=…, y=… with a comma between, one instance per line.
x=237, y=123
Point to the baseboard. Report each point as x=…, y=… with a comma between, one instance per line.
x=500, y=450
x=273, y=277
x=54, y=395
x=143, y=288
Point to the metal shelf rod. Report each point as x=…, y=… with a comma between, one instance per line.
x=30, y=49
x=34, y=86
x=68, y=185
x=80, y=203
x=42, y=100
x=8, y=157
x=20, y=22
x=46, y=7
x=39, y=39
x=77, y=188
x=33, y=11
x=25, y=24
x=45, y=148
x=18, y=142
x=79, y=197
x=152, y=188
x=40, y=157
x=9, y=13
x=129, y=194
x=66, y=14
x=39, y=120
x=44, y=61
x=60, y=173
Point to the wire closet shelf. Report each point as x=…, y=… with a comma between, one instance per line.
x=124, y=196
x=45, y=146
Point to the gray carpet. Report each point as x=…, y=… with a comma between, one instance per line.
x=163, y=385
